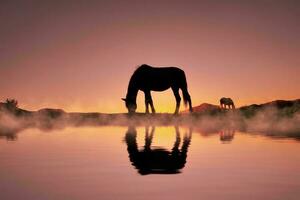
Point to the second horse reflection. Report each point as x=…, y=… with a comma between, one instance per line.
x=151, y=160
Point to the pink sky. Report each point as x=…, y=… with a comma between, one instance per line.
x=80, y=55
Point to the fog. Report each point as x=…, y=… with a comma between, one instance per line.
x=269, y=121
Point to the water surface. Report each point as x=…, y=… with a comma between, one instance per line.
x=147, y=163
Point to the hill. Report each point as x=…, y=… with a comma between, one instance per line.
x=205, y=108
x=278, y=117
x=284, y=107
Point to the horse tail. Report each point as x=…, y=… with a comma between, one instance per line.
x=233, y=106
x=185, y=98
x=185, y=93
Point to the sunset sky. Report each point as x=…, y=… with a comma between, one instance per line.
x=79, y=55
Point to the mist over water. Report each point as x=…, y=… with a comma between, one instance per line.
x=58, y=155
x=269, y=120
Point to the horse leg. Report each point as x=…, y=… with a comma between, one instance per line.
x=151, y=102
x=187, y=96
x=148, y=138
x=147, y=101
x=178, y=99
x=233, y=106
x=175, y=149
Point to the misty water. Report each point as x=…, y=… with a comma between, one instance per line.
x=163, y=162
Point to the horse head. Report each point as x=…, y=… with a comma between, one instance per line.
x=130, y=104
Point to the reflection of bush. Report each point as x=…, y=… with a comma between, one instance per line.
x=9, y=135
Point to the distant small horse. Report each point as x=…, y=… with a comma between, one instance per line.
x=226, y=102
x=147, y=79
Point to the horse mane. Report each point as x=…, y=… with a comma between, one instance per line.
x=141, y=66
x=138, y=68
x=133, y=78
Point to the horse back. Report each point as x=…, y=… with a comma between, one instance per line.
x=225, y=100
x=159, y=79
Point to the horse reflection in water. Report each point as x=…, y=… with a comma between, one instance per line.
x=227, y=135
x=157, y=161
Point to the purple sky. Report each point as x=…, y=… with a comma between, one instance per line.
x=79, y=55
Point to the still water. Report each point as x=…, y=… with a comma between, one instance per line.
x=147, y=163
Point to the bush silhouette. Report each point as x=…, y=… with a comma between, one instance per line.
x=11, y=104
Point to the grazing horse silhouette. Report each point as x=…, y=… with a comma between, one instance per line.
x=226, y=102
x=151, y=160
x=147, y=79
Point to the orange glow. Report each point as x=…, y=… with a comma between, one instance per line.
x=81, y=57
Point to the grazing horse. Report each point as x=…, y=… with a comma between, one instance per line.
x=147, y=79
x=226, y=102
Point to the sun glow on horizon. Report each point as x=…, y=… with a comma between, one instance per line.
x=81, y=60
